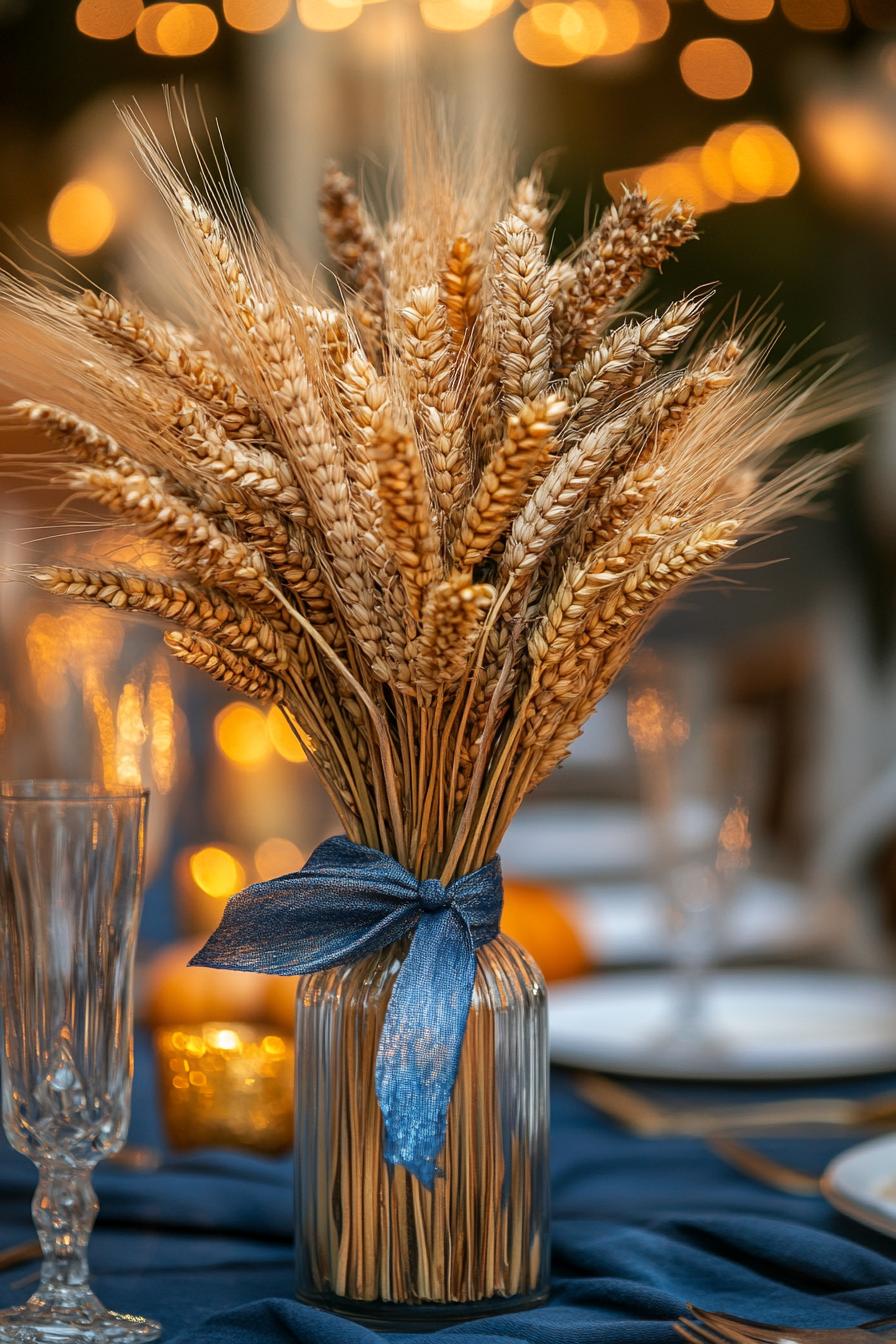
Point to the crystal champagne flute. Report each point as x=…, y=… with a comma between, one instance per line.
x=71, y=871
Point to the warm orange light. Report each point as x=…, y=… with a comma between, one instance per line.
x=854, y=146
x=186, y=30
x=455, y=16
x=716, y=67
x=653, y=19
x=254, y=16
x=217, y=872
x=328, y=16
x=741, y=10
x=161, y=727
x=130, y=734
x=107, y=19
x=241, y=732
x=654, y=722
x=735, y=840
x=147, y=27
x=821, y=16
x=622, y=20
x=763, y=161
x=81, y=218
x=283, y=738
x=276, y=856
x=543, y=34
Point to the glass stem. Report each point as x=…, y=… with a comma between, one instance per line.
x=64, y=1210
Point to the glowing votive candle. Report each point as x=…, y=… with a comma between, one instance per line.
x=226, y=1085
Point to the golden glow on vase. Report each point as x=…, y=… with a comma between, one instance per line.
x=741, y=10
x=716, y=67
x=241, y=732
x=108, y=20
x=255, y=16
x=329, y=16
x=81, y=218
x=186, y=30
x=276, y=856
x=819, y=16
x=217, y=872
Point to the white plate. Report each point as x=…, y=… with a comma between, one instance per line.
x=862, y=1184
x=758, y=1024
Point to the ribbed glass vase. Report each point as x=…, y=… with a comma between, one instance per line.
x=371, y=1241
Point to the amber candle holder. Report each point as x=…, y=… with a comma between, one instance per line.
x=226, y=1085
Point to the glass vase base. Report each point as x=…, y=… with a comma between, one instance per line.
x=399, y=1318
x=41, y=1322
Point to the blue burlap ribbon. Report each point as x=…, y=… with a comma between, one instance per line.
x=349, y=901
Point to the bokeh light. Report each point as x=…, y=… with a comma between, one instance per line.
x=186, y=30
x=853, y=147
x=81, y=218
x=716, y=67
x=542, y=35
x=455, y=16
x=254, y=16
x=217, y=872
x=108, y=20
x=147, y=26
x=654, y=18
x=241, y=732
x=328, y=16
x=820, y=16
x=740, y=163
x=283, y=739
x=741, y=10
x=276, y=856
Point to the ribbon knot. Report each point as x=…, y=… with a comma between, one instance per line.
x=432, y=895
x=347, y=902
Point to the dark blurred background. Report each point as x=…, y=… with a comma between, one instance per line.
x=778, y=119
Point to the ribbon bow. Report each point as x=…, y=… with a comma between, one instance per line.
x=349, y=901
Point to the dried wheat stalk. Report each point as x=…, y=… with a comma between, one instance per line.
x=431, y=516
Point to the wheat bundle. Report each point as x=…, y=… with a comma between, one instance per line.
x=429, y=514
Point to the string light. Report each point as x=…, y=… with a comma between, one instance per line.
x=879, y=14
x=716, y=67
x=107, y=20
x=81, y=218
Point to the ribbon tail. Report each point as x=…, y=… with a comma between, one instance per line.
x=421, y=1040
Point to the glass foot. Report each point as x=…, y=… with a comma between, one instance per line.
x=39, y=1321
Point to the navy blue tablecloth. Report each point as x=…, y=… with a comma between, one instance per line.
x=641, y=1227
